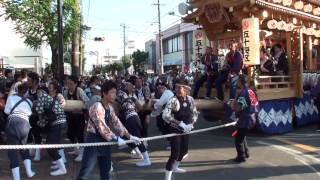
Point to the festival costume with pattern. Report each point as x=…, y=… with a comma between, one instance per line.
x=102, y=119
x=18, y=110
x=178, y=111
x=130, y=119
x=76, y=120
x=249, y=106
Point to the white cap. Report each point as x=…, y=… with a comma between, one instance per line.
x=96, y=87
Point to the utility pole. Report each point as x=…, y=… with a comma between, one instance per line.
x=75, y=57
x=160, y=40
x=60, y=65
x=124, y=39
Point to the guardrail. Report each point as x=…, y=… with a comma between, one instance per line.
x=272, y=82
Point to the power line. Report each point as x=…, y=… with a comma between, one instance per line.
x=120, y=30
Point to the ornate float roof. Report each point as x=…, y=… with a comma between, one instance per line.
x=304, y=9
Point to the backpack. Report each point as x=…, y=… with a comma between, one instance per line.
x=49, y=115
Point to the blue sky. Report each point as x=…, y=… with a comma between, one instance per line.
x=105, y=17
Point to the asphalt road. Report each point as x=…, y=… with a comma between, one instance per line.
x=293, y=156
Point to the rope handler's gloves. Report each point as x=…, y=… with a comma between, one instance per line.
x=119, y=140
x=189, y=127
x=136, y=140
x=186, y=128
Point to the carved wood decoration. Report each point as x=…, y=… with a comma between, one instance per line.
x=224, y=3
x=214, y=12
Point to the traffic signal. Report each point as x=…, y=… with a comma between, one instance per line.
x=99, y=39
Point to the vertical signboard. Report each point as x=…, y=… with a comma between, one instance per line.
x=251, y=42
x=199, y=48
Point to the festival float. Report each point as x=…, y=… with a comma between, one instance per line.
x=292, y=23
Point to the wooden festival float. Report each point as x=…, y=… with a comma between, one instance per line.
x=295, y=24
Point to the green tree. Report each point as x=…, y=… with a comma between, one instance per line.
x=113, y=68
x=139, y=58
x=37, y=22
x=125, y=60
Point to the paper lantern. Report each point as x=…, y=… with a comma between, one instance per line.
x=317, y=33
x=281, y=25
x=272, y=24
x=304, y=30
x=308, y=8
x=277, y=1
x=298, y=5
x=287, y=2
x=316, y=11
x=289, y=27
x=310, y=31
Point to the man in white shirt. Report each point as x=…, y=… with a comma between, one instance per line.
x=165, y=96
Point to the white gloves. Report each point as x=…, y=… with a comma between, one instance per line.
x=121, y=142
x=186, y=128
x=189, y=127
x=136, y=140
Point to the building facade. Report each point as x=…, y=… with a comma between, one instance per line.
x=177, y=46
x=15, y=53
x=150, y=48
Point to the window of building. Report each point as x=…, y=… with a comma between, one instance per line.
x=171, y=45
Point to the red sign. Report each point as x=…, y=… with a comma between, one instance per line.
x=245, y=25
x=199, y=35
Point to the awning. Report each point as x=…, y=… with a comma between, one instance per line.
x=171, y=62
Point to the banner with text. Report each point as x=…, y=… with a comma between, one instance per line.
x=251, y=42
x=199, y=47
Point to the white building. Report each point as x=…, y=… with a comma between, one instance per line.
x=177, y=46
x=15, y=53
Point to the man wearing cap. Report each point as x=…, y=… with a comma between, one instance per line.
x=180, y=114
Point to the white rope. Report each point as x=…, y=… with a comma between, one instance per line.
x=60, y=146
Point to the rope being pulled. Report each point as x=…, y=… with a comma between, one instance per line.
x=59, y=146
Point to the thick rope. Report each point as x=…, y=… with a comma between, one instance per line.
x=60, y=146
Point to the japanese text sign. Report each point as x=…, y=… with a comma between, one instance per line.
x=199, y=44
x=251, y=43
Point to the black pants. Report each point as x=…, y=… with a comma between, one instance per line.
x=17, y=134
x=91, y=155
x=145, y=125
x=162, y=125
x=210, y=80
x=35, y=131
x=76, y=124
x=241, y=143
x=54, y=137
x=179, y=148
x=133, y=125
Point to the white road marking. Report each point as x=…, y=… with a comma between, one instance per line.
x=296, y=154
x=307, y=164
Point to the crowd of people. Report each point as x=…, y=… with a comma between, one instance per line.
x=116, y=109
